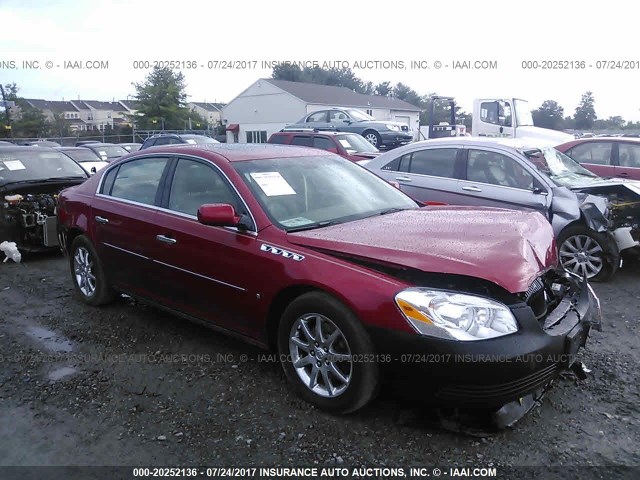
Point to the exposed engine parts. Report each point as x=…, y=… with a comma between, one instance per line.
x=32, y=217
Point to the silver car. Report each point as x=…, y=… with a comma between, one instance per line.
x=593, y=218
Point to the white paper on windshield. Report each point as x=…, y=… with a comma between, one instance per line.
x=272, y=184
x=344, y=143
x=14, y=165
x=103, y=153
x=296, y=222
x=191, y=140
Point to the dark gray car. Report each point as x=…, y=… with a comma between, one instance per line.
x=593, y=218
x=378, y=133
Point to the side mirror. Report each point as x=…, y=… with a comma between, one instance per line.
x=332, y=150
x=218, y=215
x=539, y=191
x=93, y=170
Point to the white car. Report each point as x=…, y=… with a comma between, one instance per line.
x=88, y=159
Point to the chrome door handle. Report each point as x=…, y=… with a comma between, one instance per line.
x=472, y=189
x=101, y=220
x=165, y=239
x=403, y=179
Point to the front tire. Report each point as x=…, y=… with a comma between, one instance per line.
x=326, y=354
x=87, y=274
x=585, y=251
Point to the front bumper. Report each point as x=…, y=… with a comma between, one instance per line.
x=490, y=373
x=395, y=138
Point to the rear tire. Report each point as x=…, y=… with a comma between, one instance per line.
x=87, y=274
x=582, y=250
x=326, y=354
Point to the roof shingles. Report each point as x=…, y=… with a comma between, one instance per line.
x=331, y=95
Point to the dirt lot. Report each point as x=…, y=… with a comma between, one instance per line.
x=129, y=385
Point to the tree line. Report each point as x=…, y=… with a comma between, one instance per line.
x=162, y=103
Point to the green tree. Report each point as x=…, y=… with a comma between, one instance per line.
x=338, y=77
x=585, y=114
x=549, y=115
x=383, y=89
x=59, y=126
x=162, y=100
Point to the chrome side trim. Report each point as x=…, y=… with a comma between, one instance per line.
x=125, y=251
x=201, y=276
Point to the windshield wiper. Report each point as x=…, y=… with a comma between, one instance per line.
x=56, y=179
x=390, y=210
x=313, y=226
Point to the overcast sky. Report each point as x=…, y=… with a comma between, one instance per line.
x=508, y=32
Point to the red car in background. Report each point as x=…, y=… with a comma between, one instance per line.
x=351, y=146
x=301, y=251
x=606, y=156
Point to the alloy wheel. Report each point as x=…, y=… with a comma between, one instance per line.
x=320, y=355
x=372, y=138
x=83, y=271
x=581, y=254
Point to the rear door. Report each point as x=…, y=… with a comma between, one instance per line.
x=595, y=156
x=496, y=179
x=124, y=214
x=429, y=174
x=627, y=160
x=203, y=271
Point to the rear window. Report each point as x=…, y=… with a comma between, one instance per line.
x=301, y=140
x=279, y=139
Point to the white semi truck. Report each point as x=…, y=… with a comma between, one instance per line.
x=511, y=118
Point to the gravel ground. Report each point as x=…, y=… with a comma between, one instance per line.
x=129, y=385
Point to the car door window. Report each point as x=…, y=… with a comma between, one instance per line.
x=597, y=153
x=304, y=140
x=497, y=169
x=400, y=164
x=195, y=184
x=337, y=116
x=317, y=117
x=629, y=155
x=138, y=180
x=323, y=143
x=437, y=162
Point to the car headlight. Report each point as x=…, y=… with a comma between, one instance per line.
x=455, y=316
x=395, y=128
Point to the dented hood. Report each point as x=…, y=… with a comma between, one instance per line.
x=506, y=247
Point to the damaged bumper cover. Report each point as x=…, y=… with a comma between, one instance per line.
x=495, y=372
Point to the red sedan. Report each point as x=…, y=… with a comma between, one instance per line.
x=606, y=156
x=299, y=250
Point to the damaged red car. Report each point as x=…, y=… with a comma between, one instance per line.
x=304, y=252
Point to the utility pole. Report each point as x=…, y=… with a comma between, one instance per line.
x=6, y=111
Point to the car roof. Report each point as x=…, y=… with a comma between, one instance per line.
x=27, y=148
x=237, y=152
x=100, y=145
x=606, y=139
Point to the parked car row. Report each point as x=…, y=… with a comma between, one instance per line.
x=347, y=277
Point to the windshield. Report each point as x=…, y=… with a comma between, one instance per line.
x=83, y=155
x=109, y=151
x=355, y=144
x=523, y=113
x=18, y=165
x=563, y=170
x=198, y=139
x=309, y=192
x=359, y=115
